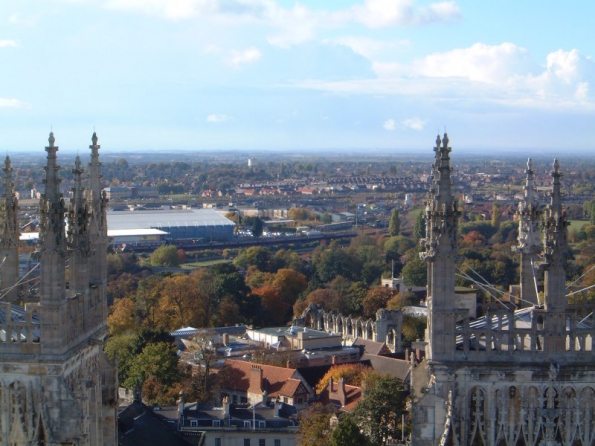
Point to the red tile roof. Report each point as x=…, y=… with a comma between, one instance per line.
x=276, y=380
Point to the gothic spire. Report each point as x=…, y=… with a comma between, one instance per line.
x=77, y=215
x=440, y=250
x=555, y=245
x=529, y=243
x=8, y=184
x=95, y=169
x=52, y=209
x=51, y=180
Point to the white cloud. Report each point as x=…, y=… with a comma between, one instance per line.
x=383, y=13
x=296, y=25
x=370, y=48
x=8, y=43
x=293, y=25
x=217, y=118
x=504, y=74
x=11, y=103
x=389, y=125
x=241, y=57
x=170, y=9
x=480, y=62
x=414, y=123
x=16, y=19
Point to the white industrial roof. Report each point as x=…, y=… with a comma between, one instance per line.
x=165, y=219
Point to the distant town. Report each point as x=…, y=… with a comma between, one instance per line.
x=285, y=302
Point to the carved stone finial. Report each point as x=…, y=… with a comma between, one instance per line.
x=51, y=139
x=438, y=141
x=556, y=166
x=7, y=163
x=445, y=141
x=94, y=139
x=529, y=164
x=77, y=163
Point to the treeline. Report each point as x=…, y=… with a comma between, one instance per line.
x=268, y=288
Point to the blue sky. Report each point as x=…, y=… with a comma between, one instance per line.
x=309, y=75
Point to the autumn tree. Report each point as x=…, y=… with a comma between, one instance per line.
x=121, y=319
x=376, y=299
x=315, y=426
x=326, y=298
x=352, y=374
x=274, y=306
x=147, y=298
x=473, y=239
x=181, y=304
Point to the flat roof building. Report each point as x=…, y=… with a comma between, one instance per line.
x=185, y=224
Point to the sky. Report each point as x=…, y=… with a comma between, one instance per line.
x=313, y=75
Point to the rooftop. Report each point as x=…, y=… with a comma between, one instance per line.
x=118, y=220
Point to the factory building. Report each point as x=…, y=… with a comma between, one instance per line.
x=174, y=226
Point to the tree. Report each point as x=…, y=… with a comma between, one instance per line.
x=376, y=299
x=122, y=349
x=155, y=369
x=419, y=229
x=121, y=319
x=298, y=214
x=394, y=225
x=348, y=433
x=166, y=255
x=379, y=412
x=326, y=218
x=274, y=307
x=257, y=256
x=181, y=304
x=415, y=272
x=257, y=227
x=327, y=298
x=352, y=374
x=315, y=428
x=496, y=216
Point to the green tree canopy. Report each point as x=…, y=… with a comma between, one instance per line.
x=394, y=225
x=419, y=229
x=166, y=255
x=379, y=412
x=415, y=272
x=347, y=433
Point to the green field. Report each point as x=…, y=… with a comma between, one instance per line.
x=577, y=224
x=193, y=265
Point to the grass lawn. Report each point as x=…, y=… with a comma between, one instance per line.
x=193, y=265
x=578, y=224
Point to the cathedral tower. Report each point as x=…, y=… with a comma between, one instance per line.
x=529, y=244
x=56, y=385
x=440, y=251
x=510, y=378
x=9, y=237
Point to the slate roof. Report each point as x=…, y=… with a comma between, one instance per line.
x=397, y=368
x=371, y=347
x=138, y=425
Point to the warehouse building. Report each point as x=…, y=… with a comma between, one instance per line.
x=186, y=225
